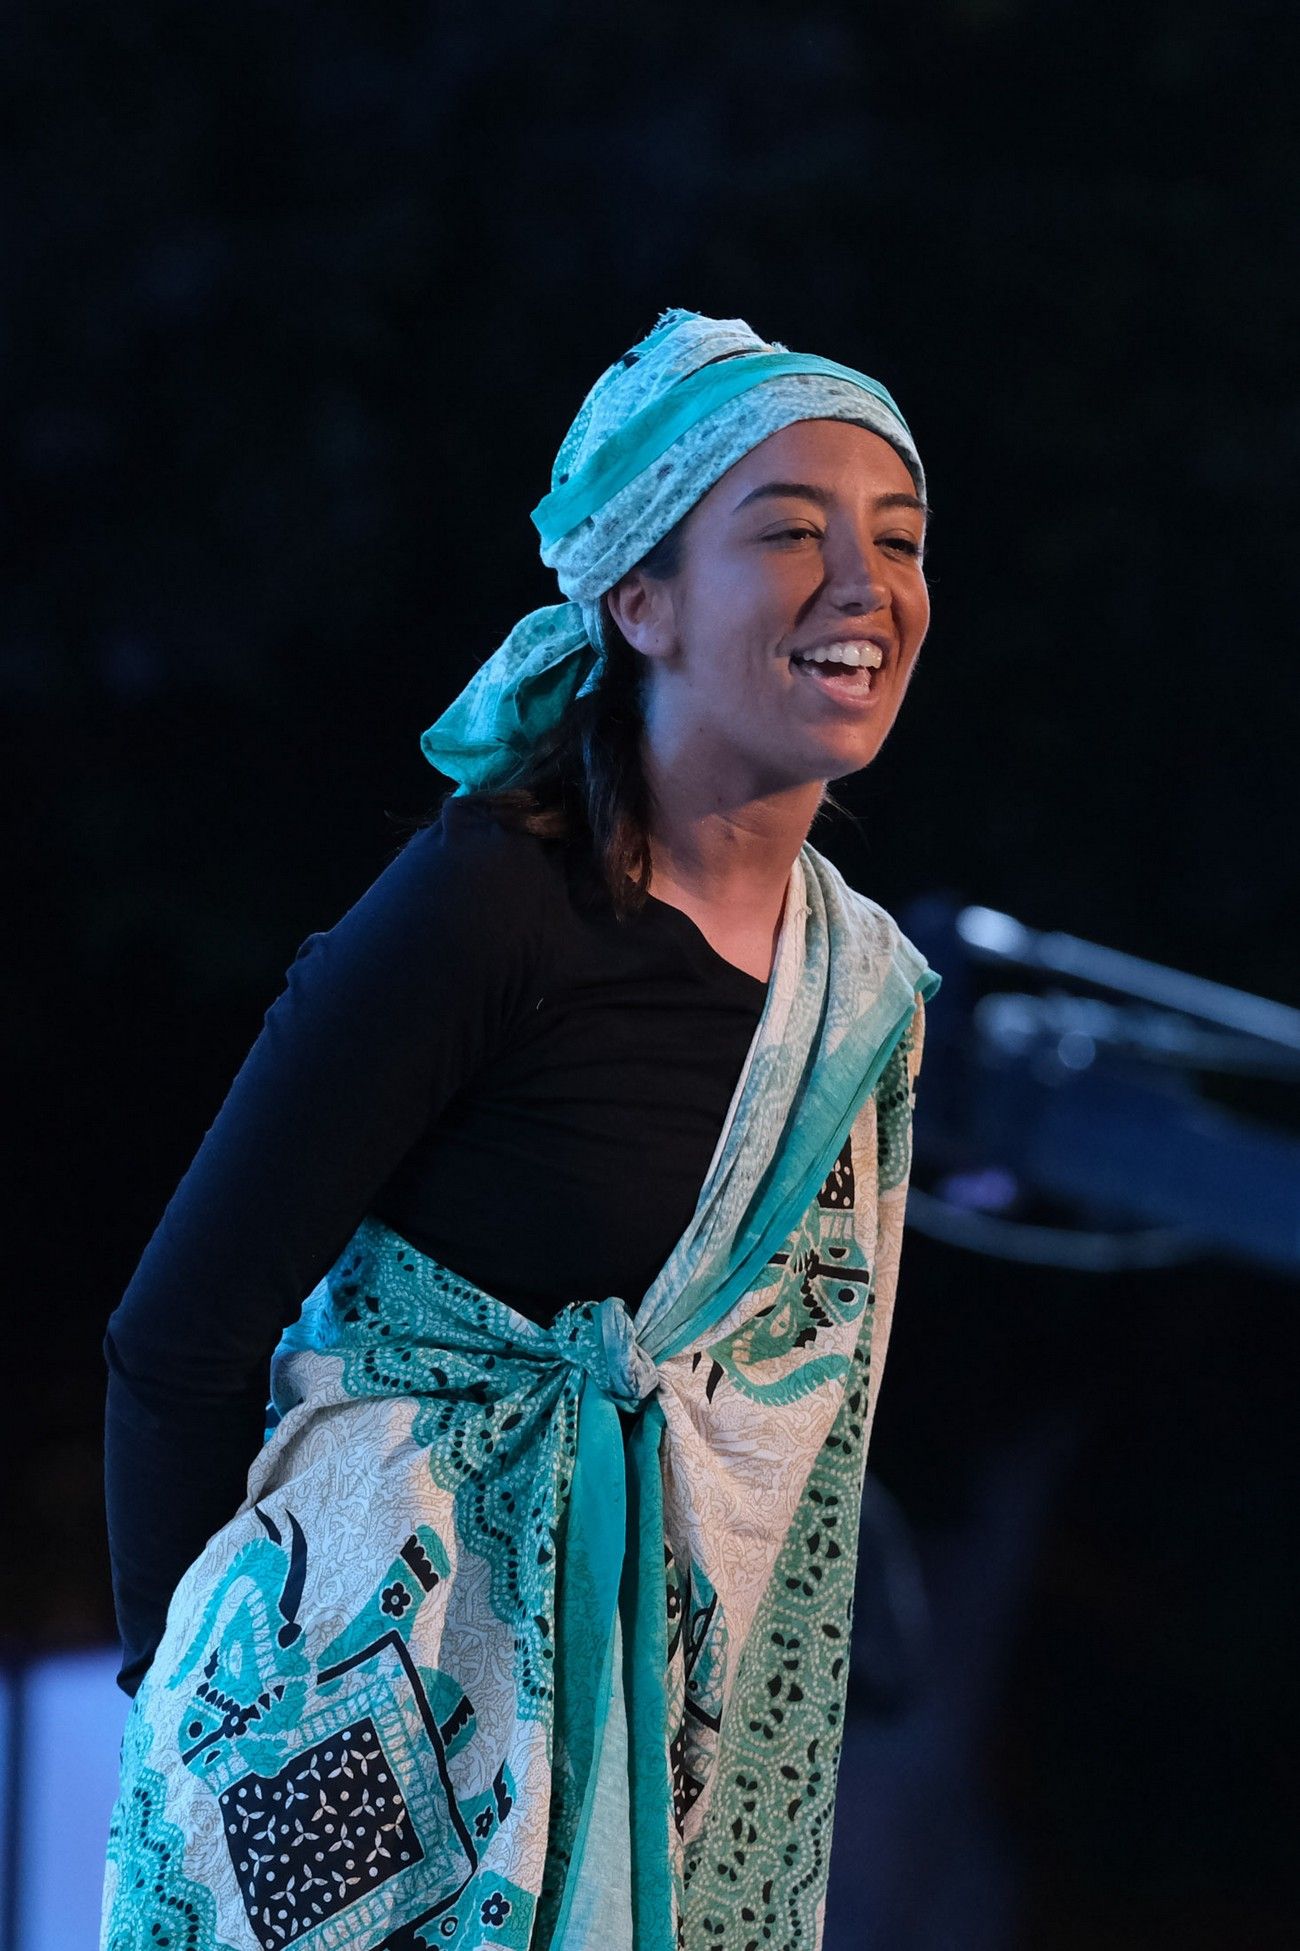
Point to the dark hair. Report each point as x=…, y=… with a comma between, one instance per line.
x=586, y=780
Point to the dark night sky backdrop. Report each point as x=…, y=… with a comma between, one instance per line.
x=300, y=302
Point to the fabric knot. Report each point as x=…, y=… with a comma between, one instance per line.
x=598, y=1337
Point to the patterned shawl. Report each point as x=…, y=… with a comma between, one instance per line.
x=540, y=1636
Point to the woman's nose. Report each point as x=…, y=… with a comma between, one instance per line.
x=855, y=581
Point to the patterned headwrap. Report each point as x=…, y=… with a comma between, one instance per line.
x=653, y=435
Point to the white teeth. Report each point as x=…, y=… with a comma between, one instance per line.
x=851, y=654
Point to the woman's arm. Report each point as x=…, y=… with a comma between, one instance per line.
x=380, y=1022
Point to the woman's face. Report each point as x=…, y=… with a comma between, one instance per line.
x=813, y=539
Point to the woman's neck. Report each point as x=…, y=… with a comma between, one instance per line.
x=728, y=865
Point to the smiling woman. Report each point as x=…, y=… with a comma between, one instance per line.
x=761, y=648
x=558, y=1208
x=757, y=598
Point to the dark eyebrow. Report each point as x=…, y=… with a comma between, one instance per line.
x=805, y=491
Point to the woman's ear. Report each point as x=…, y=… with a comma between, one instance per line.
x=642, y=610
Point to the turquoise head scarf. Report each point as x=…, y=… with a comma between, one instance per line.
x=656, y=431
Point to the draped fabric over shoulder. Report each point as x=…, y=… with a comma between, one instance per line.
x=538, y=1636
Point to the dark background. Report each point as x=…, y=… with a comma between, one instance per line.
x=300, y=302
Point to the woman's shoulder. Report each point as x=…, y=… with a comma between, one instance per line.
x=468, y=838
x=462, y=889
x=469, y=854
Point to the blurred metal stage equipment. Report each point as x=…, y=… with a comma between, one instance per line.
x=1082, y=1091
x=1060, y=1081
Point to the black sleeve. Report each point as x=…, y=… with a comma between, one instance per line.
x=380, y=1021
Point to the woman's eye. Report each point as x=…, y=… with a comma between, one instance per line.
x=903, y=542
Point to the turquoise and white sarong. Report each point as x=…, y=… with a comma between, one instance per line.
x=535, y=1636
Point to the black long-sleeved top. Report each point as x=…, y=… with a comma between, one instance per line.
x=480, y=1054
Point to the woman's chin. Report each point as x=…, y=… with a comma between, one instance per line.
x=845, y=755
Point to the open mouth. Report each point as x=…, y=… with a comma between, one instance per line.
x=850, y=673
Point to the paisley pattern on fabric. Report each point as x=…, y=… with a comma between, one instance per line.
x=538, y=1636
x=146, y=1886
x=756, y=1872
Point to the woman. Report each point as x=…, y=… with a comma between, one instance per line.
x=586, y=1134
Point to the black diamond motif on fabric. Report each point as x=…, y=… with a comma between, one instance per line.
x=686, y=1786
x=837, y=1192
x=328, y=1829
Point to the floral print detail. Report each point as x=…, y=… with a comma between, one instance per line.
x=395, y=1600
x=496, y=1909
x=306, y=1843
